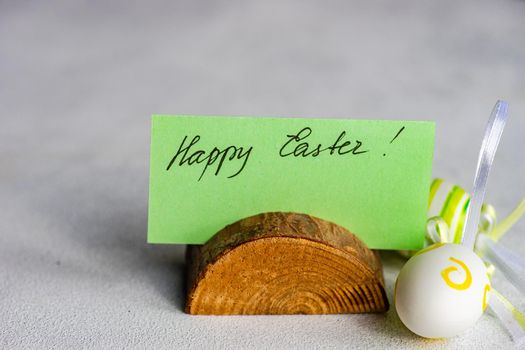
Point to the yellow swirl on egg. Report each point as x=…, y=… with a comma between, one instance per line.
x=485, y=292
x=459, y=286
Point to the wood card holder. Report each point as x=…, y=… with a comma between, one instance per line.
x=283, y=263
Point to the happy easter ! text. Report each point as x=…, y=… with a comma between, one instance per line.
x=295, y=145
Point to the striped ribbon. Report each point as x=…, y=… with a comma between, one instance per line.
x=447, y=210
x=450, y=202
x=454, y=216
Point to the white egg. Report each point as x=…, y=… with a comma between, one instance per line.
x=442, y=291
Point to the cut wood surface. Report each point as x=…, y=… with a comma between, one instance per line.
x=284, y=263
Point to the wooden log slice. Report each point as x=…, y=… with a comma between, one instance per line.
x=284, y=263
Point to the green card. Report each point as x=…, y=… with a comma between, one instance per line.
x=369, y=176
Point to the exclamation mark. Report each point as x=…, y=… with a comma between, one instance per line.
x=398, y=133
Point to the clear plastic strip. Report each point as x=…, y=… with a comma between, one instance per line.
x=489, y=145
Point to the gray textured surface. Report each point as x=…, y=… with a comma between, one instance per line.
x=77, y=86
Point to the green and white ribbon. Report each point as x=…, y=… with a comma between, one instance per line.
x=447, y=211
x=450, y=203
x=457, y=217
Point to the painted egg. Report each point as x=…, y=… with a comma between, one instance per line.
x=442, y=290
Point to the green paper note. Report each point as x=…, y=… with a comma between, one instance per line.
x=369, y=176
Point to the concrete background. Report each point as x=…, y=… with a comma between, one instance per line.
x=78, y=82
